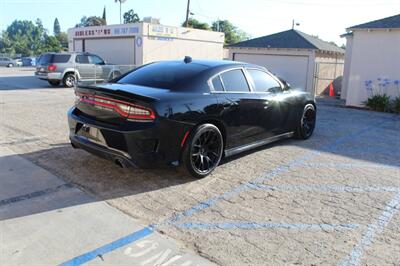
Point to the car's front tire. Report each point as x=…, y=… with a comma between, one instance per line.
x=54, y=83
x=307, y=122
x=69, y=80
x=203, y=151
x=10, y=65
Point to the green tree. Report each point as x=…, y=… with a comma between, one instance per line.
x=195, y=24
x=131, y=17
x=104, y=14
x=56, y=27
x=51, y=44
x=232, y=33
x=63, y=39
x=27, y=38
x=91, y=21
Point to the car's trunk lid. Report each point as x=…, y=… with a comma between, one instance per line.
x=122, y=93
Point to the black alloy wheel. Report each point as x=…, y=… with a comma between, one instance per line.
x=203, y=151
x=307, y=123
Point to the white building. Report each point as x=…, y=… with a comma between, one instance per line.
x=372, y=62
x=141, y=43
x=303, y=60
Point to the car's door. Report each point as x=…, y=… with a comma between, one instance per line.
x=276, y=102
x=238, y=107
x=84, y=67
x=97, y=63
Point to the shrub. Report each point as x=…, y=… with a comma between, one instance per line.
x=396, y=104
x=379, y=103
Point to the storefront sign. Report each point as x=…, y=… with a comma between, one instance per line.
x=163, y=31
x=102, y=32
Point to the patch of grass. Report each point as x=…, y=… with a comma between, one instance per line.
x=380, y=103
x=396, y=105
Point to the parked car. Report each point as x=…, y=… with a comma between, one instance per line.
x=8, y=62
x=28, y=61
x=70, y=67
x=18, y=62
x=188, y=114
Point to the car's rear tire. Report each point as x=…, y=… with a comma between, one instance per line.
x=202, y=151
x=307, y=122
x=10, y=65
x=69, y=80
x=54, y=83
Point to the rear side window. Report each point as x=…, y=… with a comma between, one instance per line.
x=61, y=58
x=263, y=82
x=234, y=80
x=217, y=84
x=82, y=59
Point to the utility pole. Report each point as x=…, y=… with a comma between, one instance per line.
x=120, y=12
x=187, y=14
x=294, y=24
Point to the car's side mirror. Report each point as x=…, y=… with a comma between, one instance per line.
x=286, y=87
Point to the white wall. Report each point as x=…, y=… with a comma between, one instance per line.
x=347, y=66
x=152, y=42
x=119, y=51
x=199, y=44
x=374, y=55
x=293, y=65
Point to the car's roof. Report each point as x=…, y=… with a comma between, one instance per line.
x=211, y=63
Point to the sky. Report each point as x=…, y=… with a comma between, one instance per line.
x=326, y=19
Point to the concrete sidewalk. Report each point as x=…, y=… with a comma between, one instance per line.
x=44, y=221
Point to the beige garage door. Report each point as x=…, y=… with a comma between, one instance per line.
x=293, y=69
x=119, y=51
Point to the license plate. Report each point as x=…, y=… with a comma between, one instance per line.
x=91, y=133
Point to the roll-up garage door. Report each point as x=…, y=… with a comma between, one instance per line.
x=119, y=51
x=293, y=69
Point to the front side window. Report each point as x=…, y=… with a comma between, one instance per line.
x=235, y=81
x=94, y=59
x=263, y=82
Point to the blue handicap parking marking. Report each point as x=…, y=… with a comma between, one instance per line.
x=258, y=183
x=79, y=260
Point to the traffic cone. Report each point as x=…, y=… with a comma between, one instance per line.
x=331, y=91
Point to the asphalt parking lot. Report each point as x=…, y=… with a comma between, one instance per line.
x=331, y=200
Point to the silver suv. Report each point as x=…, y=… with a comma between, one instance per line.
x=70, y=67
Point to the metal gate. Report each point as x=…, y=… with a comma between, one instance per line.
x=325, y=74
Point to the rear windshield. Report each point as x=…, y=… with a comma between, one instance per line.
x=45, y=59
x=53, y=58
x=166, y=75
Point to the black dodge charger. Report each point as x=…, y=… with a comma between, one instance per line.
x=188, y=114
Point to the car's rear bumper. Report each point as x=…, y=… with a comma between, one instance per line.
x=145, y=147
x=49, y=76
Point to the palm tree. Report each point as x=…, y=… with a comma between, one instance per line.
x=120, y=9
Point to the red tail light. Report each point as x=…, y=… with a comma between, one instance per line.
x=125, y=109
x=51, y=68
